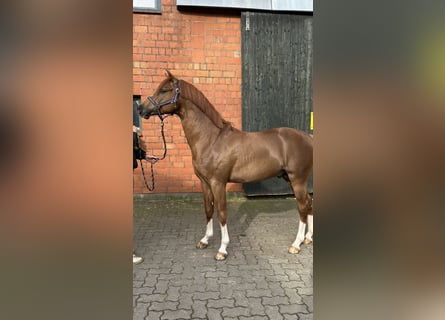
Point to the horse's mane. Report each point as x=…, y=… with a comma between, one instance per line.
x=190, y=92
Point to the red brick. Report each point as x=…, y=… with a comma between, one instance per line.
x=197, y=42
x=140, y=28
x=197, y=28
x=176, y=41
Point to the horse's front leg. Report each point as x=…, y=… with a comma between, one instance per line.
x=208, y=206
x=219, y=191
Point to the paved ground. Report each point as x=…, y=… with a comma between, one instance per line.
x=259, y=279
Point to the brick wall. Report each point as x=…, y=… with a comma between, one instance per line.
x=202, y=48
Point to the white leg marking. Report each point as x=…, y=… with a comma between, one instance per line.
x=310, y=227
x=224, y=239
x=300, y=235
x=209, y=232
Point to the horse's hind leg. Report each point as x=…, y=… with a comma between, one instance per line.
x=304, y=203
x=208, y=206
x=310, y=224
x=310, y=229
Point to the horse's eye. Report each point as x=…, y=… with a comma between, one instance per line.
x=164, y=90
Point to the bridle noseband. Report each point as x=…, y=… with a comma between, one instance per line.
x=158, y=106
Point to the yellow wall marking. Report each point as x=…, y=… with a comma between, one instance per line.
x=312, y=121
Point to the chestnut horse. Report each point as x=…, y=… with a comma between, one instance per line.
x=222, y=154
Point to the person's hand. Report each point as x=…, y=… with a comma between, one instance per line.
x=151, y=158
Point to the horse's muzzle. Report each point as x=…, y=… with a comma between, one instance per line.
x=145, y=115
x=145, y=112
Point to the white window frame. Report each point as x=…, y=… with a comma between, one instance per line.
x=269, y=5
x=148, y=6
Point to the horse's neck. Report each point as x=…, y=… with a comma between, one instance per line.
x=198, y=128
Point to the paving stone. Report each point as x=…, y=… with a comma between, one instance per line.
x=205, y=269
x=293, y=308
x=144, y=298
x=158, y=271
x=259, y=293
x=256, y=306
x=278, y=270
x=307, y=278
x=273, y=312
x=193, y=288
x=205, y=295
x=235, y=312
x=293, y=284
x=276, y=289
x=278, y=261
x=199, y=309
x=277, y=278
x=226, y=291
x=309, y=301
x=177, y=314
x=161, y=286
x=153, y=315
x=216, y=274
x=185, y=301
x=140, y=311
x=199, y=279
x=291, y=317
x=274, y=301
x=259, y=279
x=150, y=280
x=214, y=314
x=305, y=291
x=292, y=275
x=244, y=286
x=173, y=293
x=305, y=316
x=177, y=269
x=143, y=290
x=293, y=296
x=184, y=283
x=212, y=284
x=240, y=299
x=220, y=303
x=161, y=306
x=249, y=267
x=252, y=259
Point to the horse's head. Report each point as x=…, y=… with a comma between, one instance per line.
x=164, y=100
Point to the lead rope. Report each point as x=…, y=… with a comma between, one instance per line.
x=154, y=159
x=152, y=176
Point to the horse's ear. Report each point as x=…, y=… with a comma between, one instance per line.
x=169, y=75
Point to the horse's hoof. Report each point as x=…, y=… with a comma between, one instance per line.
x=201, y=245
x=294, y=250
x=307, y=241
x=221, y=256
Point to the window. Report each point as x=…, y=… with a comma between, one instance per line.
x=274, y=5
x=153, y=6
x=136, y=117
